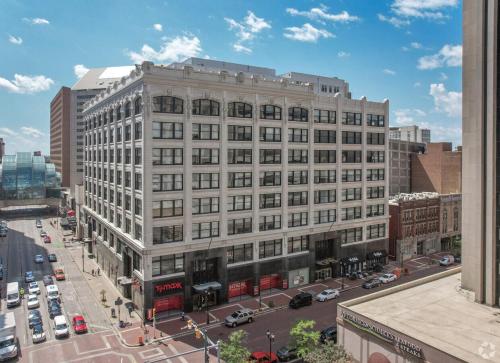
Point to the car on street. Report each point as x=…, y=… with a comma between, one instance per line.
x=33, y=302
x=3, y=232
x=386, y=278
x=59, y=274
x=371, y=283
x=52, y=257
x=42, y=233
x=287, y=353
x=61, y=329
x=329, y=333
x=328, y=294
x=263, y=357
x=38, y=259
x=47, y=239
x=79, y=324
x=37, y=334
x=1, y=272
x=52, y=293
x=447, y=260
x=29, y=277
x=239, y=317
x=55, y=310
x=300, y=300
x=48, y=280
x=378, y=267
x=38, y=223
x=33, y=288
x=34, y=317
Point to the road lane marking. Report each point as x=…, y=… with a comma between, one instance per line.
x=175, y=351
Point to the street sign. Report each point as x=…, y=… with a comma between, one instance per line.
x=118, y=301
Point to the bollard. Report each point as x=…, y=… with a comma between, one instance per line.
x=141, y=340
x=113, y=313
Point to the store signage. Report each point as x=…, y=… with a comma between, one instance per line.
x=377, y=254
x=167, y=287
x=401, y=344
x=352, y=259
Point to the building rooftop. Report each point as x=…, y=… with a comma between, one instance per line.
x=437, y=312
x=406, y=197
x=97, y=78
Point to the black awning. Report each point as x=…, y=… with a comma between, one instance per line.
x=214, y=285
x=350, y=260
x=376, y=254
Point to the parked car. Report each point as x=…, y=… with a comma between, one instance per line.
x=378, y=267
x=47, y=239
x=29, y=277
x=371, y=283
x=42, y=233
x=79, y=324
x=33, y=301
x=37, y=334
x=263, y=357
x=38, y=223
x=59, y=274
x=53, y=293
x=458, y=258
x=34, y=317
x=386, y=278
x=287, y=353
x=55, y=310
x=239, y=317
x=329, y=333
x=301, y=299
x=52, y=257
x=60, y=327
x=3, y=232
x=447, y=260
x=48, y=280
x=33, y=288
x=38, y=259
x=353, y=275
x=327, y=294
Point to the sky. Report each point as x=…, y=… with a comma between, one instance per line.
x=408, y=51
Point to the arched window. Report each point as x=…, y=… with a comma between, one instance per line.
x=110, y=116
x=205, y=107
x=168, y=104
x=127, y=109
x=239, y=109
x=297, y=114
x=138, y=106
x=270, y=112
x=119, y=113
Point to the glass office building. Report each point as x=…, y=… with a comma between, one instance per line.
x=27, y=176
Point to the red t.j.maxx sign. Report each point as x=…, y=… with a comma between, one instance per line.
x=166, y=287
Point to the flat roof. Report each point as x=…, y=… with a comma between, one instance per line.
x=101, y=78
x=438, y=313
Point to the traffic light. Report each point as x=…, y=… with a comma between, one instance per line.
x=190, y=324
x=197, y=333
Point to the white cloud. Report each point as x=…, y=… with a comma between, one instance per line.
x=397, y=22
x=306, y=33
x=247, y=30
x=26, y=84
x=241, y=48
x=390, y=72
x=416, y=45
x=15, y=40
x=449, y=55
x=37, y=21
x=431, y=9
x=31, y=132
x=5, y=131
x=320, y=14
x=80, y=70
x=158, y=27
x=417, y=84
x=173, y=50
x=343, y=54
x=448, y=102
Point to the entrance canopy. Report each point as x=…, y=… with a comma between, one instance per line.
x=213, y=285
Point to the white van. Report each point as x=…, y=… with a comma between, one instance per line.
x=52, y=292
x=13, y=298
x=61, y=328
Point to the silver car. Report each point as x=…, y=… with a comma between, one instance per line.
x=239, y=317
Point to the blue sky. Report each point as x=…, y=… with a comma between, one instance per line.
x=408, y=51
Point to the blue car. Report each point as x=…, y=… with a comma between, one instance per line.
x=28, y=276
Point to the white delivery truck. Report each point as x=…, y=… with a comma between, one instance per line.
x=8, y=337
x=13, y=298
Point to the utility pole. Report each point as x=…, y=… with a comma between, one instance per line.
x=83, y=256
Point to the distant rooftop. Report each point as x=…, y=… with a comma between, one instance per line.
x=228, y=66
x=100, y=78
x=405, y=197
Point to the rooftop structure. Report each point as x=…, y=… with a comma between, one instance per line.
x=406, y=197
x=412, y=133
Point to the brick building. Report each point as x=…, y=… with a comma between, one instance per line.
x=451, y=220
x=414, y=225
x=438, y=170
x=2, y=149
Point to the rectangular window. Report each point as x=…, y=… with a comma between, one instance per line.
x=375, y=138
x=325, y=116
x=205, y=132
x=270, y=248
x=167, y=182
x=239, y=133
x=298, y=244
x=375, y=120
x=351, y=118
x=239, y=180
x=297, y=219
x=138, y=131
x=168, y=130
x=167, y=208
x=167, y=156
x=325, y=156
x=270, y=178
x=128, y=133
x=205, y=156
x=375, y=174
x=239, y=156
x=205, y=205
x=168, y=234
x=325, y=216
x=351, y=137
x=351, y=156
x=239, y=253
x=270, y=134
x=325, y=176
x=297, y=156
x=239, y=203
x=297, y=198
x=375, y=210
x=205, y=181
x=128, y=179
x=325, y=196
x=298, y=114
x=375, y=231
x=297, y=177
x=269, y=223
x=138, y=206
x=351, y=213
x=325, y=136
x=375, y=192
x=205, y=230
x=297, y=135
x=351, y=175
x=270, y=156
x=166, y=265
x=239, y=109
x=239, y=226
x=351, y=235
x=351, y=194
x=138, y=156
x=375, y=157
x=270, y=112
x=270, y=200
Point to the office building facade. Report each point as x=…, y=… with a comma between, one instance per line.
x=207, y=182
x=2, y=149
x=400, y=164
x=410, y=133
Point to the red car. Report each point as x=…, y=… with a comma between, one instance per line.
x=47, y=239
x=263, y=357
x=79, y=324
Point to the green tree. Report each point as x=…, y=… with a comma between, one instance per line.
x=328, y=353
x=233, y=351
x=304, y=337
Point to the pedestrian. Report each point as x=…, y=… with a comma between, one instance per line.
x=92, y=272
x=98, y=271
x=183, y=316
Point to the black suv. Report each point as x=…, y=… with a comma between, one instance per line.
x=329, y=333
x=300, y=300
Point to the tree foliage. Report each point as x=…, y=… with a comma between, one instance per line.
x=328, y=353
x=233, y=351
x=304, y=337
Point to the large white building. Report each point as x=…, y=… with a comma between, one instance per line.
x=207, y=180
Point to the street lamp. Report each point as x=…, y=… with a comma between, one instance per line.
x=207, y=292
x=270, y=336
